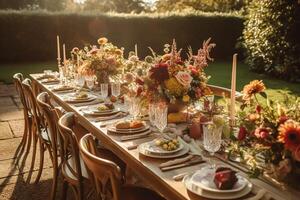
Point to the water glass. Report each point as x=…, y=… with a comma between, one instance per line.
x=212, y=138
x=151, y=113
x=161, y=116
x=116, y=89
x=104, y=90
x=134, y=107
x=90, y=81
x=79, y=80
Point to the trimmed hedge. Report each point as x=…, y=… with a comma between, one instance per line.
x=31, y=35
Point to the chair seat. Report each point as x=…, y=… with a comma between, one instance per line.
x=68, y=173
x=130, y=192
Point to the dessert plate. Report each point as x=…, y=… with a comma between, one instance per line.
x=154, y=149
x=143, y=151
x=190, y=186
x=204, y=178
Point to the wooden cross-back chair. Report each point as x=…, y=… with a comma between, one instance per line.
x=73, y=168
x=51, y=116
x=25, y=143
x=105, y=171
x=39, y=133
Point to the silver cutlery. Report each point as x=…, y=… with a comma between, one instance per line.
x=134, y=137
x=186, y=164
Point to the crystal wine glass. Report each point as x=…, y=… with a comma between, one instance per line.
x=116, y=89
x=161, y=116
x=151, y=113
x=134, y=108
x=212, y=139
x=104, y=90
x=79, y=80
x=90, y=81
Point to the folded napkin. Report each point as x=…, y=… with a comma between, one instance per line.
x=87, y=103
x=119, y=114
x=176, y=161
x=133, y=137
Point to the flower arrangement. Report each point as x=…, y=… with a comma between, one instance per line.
x=102, y=60
x=173, y=79
x=268, y=133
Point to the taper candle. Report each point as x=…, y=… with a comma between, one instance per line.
x=64, y=54
x=135, y=50
x=58, y=47
x=233, y=89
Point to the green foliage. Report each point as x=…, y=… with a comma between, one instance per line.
x=271, y=38
x=31, y=35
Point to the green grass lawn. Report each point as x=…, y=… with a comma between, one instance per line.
x=220, y=73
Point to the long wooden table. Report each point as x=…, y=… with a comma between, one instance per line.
x=147, y=168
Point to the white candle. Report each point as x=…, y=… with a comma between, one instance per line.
x=77, y=60
x=64, y=54
x=233, y=89
x=58, y=47
x=135, y=49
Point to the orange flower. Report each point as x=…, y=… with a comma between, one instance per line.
x=252, y=88
x=102, y=40
x=289, y=134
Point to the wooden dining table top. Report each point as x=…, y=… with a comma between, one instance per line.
x=147, y=168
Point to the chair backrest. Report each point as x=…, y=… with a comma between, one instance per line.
x=66, y=125
x=31, y=104
x=51, y=117
x=18, y=79
x=221, y=91
x=102, y=169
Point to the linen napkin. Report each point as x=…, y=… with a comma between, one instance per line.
x=176, y=161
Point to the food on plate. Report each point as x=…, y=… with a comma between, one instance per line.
x=105, y=107
x=123, y=125
x=81, y=95
x=167, y=145
x=177, y=117
x=134, y=124
x=110, y=105
x=113, y=98
x=225, y=178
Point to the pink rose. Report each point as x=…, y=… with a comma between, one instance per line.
x=184, y=79
x=261, y=133
x=296, y=154
x=111, y=60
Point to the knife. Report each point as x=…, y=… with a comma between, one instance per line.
x=190, y=163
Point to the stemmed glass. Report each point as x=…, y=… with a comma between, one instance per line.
x=161, y=116
x=90, y=81
x=212, y=139
x=116, y=89
x=104, y=90
x=151, y=113
x=134, y=107
x=79, y=80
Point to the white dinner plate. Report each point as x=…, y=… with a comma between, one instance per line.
x=113, y=129
x=204, y=178
x=92, y=111
x=144, y=152
x=190, y=186
x=154, y=149
x=71, y=98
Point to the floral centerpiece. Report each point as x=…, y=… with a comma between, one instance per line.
x=268, y=135
x=102, y=60
x=174, y=79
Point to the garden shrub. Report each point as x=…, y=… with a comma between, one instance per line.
x=31, y=35
x=272, y=38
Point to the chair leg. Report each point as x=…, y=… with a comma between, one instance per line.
x=35, y=140
x=22, y=145
x=55, y=175
x=29, y=139
x=42, y=151
x=64, y=190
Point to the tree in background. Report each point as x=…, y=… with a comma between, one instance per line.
x=271, y=38
x=203, y=5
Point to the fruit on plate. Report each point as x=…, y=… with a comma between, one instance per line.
x=109, y=106
x=225, y=178
x=113, y=98
x=123, y=125
x=102, y=107
x=136, y=124
x=167, y=145
x=177, y=117
x=81, y=95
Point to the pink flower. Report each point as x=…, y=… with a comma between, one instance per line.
x=184, y=79
x=262, y=132
x=242, y=133
x=111, y=60
x=283, y=119
x=129, y=77
x=296, y=154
